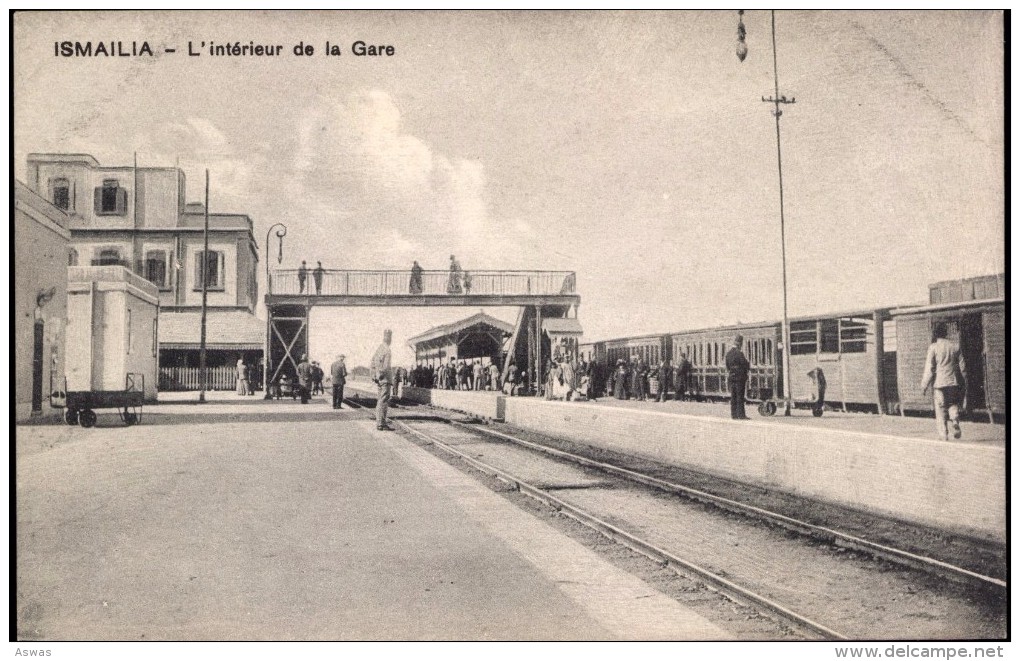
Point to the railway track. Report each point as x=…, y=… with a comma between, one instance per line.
x=933, y=611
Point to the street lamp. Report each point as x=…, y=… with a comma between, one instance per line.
x=280, y=233
x=775, y=100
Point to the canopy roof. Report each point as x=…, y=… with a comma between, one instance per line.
x=450, y=331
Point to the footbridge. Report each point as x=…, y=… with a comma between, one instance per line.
x=541, y=295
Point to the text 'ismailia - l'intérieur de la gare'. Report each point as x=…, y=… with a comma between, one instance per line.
x=218, y=49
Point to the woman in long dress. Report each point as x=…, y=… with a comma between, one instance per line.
x=620, y=380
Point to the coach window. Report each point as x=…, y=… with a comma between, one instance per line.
x=803, y=337
x=829, y=335
x=853, y=335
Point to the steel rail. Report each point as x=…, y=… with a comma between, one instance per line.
x=830, y=535
x=661, y=556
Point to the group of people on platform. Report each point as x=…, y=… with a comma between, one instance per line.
x=633, y=379
x=464, y=374
x=309, y=381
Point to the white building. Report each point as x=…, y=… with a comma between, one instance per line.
x=137, y=217
x=41, y=240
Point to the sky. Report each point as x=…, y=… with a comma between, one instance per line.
x=630, y=147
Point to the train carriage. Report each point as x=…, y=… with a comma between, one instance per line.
x=706, y=351
x=979, y=328
x=871, y=359
x=652, y=349
x=849, y=349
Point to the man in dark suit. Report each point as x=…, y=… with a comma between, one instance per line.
x=665, y=376
x=683, y=374
x=738, y=368
x=338, y=375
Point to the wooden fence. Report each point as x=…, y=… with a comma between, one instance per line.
x=218, y=378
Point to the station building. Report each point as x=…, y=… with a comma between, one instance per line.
x=41, y=240
x=137, y=217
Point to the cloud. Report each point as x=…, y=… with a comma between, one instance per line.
x=196, y=144
x=353, y=156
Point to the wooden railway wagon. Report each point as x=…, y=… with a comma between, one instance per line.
x=653, y=349
x=979, y=328
x=850, y=350
x=706, y=351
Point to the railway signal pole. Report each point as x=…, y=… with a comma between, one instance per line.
x=777, y=100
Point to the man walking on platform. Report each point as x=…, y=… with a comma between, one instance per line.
x=302, y=276
x=946, y=370
x=383, y=378
x=338, y=374
x=738, y=368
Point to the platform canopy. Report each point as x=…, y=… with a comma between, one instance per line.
x=478, y=336
x=236, y=330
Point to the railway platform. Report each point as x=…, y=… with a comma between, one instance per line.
x=242, y=519
x=889, y=465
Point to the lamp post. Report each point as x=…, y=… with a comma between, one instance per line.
x=776, y=100
x=280, y=233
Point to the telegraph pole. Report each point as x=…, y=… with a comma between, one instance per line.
x=204, y=269
x=777, y=100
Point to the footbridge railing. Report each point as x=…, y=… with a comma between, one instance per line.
x=332, y=282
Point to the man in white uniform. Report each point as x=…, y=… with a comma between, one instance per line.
x=946, y=370
x=382, y=375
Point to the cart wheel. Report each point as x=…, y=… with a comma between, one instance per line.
x=770, y=408
x=130, y=417
x=87, y=418
x=817, y=412
x=71, y=416
x=761, y=409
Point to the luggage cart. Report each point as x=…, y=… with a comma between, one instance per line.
x=769, y=406
x=79, y=405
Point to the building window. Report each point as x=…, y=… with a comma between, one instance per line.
x=111, y=199
x=155, y=268
x=108, y=256
x=72, y=257
x=213, y=269
x=853, y=335
x=803, y=337
x=60, y=193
